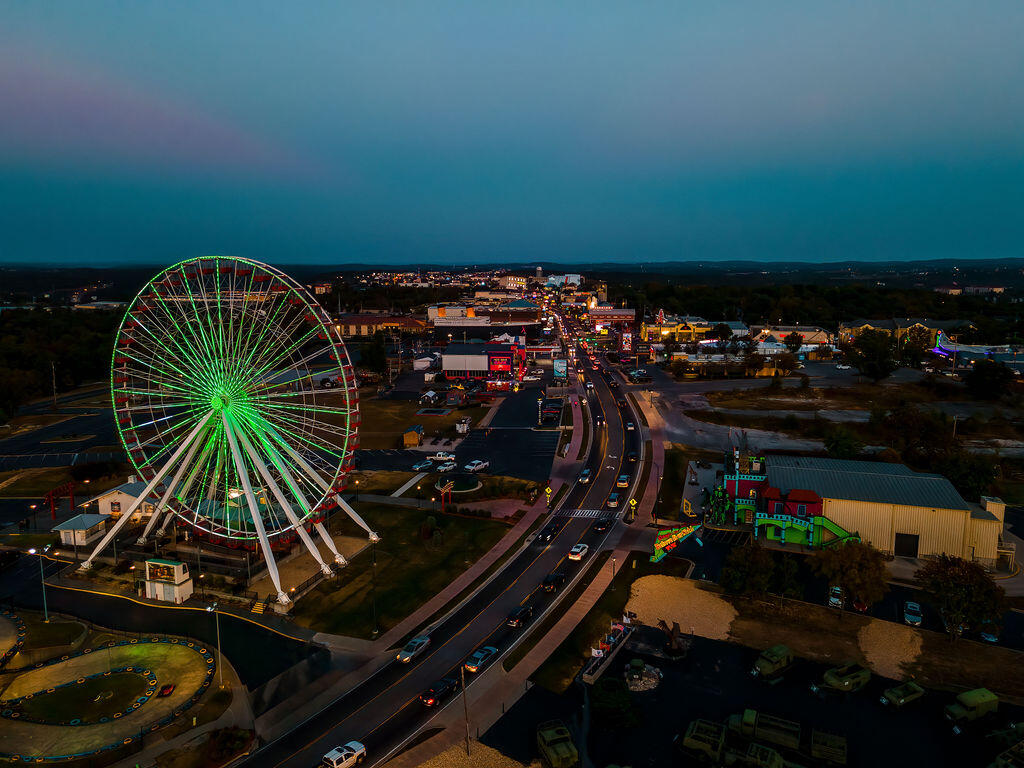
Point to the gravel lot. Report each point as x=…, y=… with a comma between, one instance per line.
x=673, y=599
x=889, y=648
x=482, y=757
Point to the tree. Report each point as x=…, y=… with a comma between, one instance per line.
x=856, y=568
x=723, y=333
x=872, y=354
x=988, y=380
x=754, y=362
x=823, y=352
x=373, y=354
x=748, y=570
x=786, y=581
x=915, y=346
x=966, y=595
x=842, y=443
x=786, y=362
x=793, y=342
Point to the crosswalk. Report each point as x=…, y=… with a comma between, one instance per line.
x=581, y=513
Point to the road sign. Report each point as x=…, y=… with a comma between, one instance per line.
x=547, y=491
x=687, y=508
x=632, y=502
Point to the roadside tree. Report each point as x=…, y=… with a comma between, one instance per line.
x=872, y=354
x=793, y=342
x=856, y=568
x=988, y=380
x=786, y=362
x=842, y=443
x=967, y=596
x=914, y=346
x=748, y=570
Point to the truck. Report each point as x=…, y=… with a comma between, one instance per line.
x=556, y=747
x=710, y=742
x=902, y=694
x=772, y=662
x=1011, y=758
x=970, y=706
x=846, y=678
x=765, y=728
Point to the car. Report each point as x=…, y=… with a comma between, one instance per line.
x=599, y=420
x=480, y=658
x=847, y=678
x=629, y=426
x=596, y=367
x=615, y=385
x=589, y=385
x=442, y=456
x=584, y=476
x=631, y=456
x=548, y=533
x=531, y=378
x=423, y=466
x=899, y=695
x=520, y=616
x=352, y=753
x=843, y=367
x=578, y=552
x=413, y=648
x=165, y=691
x=835, y=597
x=477, y=465
x=552, y=582
x=439, y=691
x=602, y=524
x=860, y=606
x=622, y=482
x=613, y=501
x=989, y=631
x=447, y=466
x=912, y=613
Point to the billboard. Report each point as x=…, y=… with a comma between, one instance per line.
x=627, y=341
x=561, y=368
x=501, y=363
x=668, y=539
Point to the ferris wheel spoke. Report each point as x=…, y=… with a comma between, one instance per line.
x=252, y=347
x=259, y=374
x=284, y=420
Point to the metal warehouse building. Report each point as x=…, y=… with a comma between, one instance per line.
x=816, y=502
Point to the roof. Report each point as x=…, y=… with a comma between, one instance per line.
x=134, y=489
x=520, y=304
x=870, y=481
x=417, y=428
x=161, y=561
x=460, y=348
x=891, y=323
x=80, y=522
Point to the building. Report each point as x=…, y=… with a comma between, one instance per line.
x=413, y=436
x=984, y=290
x=319, y=289
x=167, y=580
x=489, y=362
x=901, y=327
x=367, y=324
x=120, y=498
x=817, y=502
x=81, y=530
x=604, y=317
x=513, y=282
x=520, y=312
x=811, y=334
x=686, y=328
x=563, y=281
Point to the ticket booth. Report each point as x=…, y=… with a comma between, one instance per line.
x=168, y=580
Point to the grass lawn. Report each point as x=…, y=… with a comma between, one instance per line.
x=382, y=482
x=558, y=670
x=42, y=635
x=95, y=698
x=856, y=397
x=674, y=481
x=409, y=570
x=25, y=541
x=384, y=421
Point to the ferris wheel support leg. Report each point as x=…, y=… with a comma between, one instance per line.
x=159, y=509
x=324, y=485
x=127, y=514
x=254, y=511
x=338, y=557
x=288, y=511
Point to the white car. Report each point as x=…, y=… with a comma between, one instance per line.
x=842, y=367
x=578, y=552
x=629, y=426
x=477, y=465
x=413, y=648
x=448, y=466
x=443, y=456
x=351, y=754
x=531, y=378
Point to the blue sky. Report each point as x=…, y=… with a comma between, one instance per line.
x=499, y=132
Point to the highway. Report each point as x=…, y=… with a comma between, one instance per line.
x=384, y=711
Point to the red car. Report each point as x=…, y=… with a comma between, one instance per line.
x=167, y=690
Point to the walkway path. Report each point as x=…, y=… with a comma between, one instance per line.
x=412, y=481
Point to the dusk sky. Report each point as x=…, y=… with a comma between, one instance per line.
x=481, y=132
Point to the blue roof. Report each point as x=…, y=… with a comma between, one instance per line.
x=876, y=482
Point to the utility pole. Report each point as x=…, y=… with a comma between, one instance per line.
x=465, y=704
x=53, y=377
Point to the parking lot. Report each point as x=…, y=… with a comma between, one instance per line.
x=714, y=682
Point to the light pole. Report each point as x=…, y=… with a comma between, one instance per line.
x=42, y=580
x=419, y=498
x=357, y=491
x=613, y=573
x=373, y=586
x=220, y=654
x=135, y=585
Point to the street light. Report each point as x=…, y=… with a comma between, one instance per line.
x=220, y=654
x=373, y=585
x=419, y=498
x=135, y=584
x=42, y=580
x=613, y=573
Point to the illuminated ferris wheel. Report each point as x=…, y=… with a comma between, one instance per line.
x=236, y=401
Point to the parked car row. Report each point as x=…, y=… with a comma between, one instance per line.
x=448, y=464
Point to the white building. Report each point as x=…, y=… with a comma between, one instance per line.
x=168, y=580
x=118, y=499
x=81, y=530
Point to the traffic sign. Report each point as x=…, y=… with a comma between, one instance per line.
x=632, y=502
x=547, y=491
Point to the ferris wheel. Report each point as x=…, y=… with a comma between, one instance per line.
x=236, y=402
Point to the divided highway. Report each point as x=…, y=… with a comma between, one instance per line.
x=385, y=711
